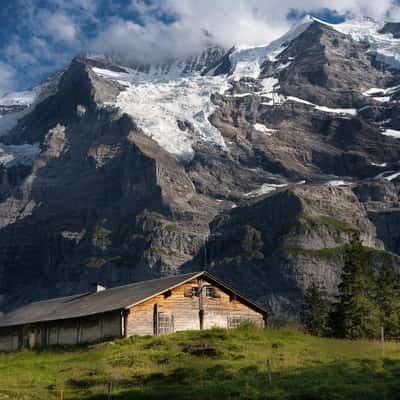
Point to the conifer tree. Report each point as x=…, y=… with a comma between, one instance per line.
x=357, y=314
x=388, y=298
x=315, y=312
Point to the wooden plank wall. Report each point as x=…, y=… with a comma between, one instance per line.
x=184, y=309
x=8, y=341
x=62, y=333
x=85, y=330
x=218, y=311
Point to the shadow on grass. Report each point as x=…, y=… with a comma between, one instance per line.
x=355, y=380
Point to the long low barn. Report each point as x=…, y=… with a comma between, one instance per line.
x=185, y=302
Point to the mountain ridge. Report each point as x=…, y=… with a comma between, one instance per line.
x=257, y=163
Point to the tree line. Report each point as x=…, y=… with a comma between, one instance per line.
x=365, y=301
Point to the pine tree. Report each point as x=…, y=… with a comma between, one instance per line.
x=357, y=314
x=315, y=312
x=388, y=299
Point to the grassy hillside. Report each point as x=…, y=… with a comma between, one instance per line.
x=214, y=364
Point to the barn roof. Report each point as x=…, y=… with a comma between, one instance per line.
x=117, y=298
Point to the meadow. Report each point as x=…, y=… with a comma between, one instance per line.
x=244, y=363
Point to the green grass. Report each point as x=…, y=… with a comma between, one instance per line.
x=315, y=222
x=215, y=364
x=324, y=253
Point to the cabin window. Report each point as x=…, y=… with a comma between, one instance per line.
x=195, y=291
x=211, y=292
x=234, y=322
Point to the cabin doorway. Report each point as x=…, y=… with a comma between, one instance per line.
x=165, y=323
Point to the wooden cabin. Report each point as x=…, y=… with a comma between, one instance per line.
x=186, y=302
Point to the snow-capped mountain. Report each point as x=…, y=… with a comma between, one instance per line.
x=249, y=161
x=158, y=96
x=13, y=107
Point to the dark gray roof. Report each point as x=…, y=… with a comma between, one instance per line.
x=116, y=298
x=92, y=303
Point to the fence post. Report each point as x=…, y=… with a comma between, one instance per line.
x=269, y=372
x=109, y=390
x=383, y=341
x=61, y=394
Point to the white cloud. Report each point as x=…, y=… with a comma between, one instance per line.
x=241, y=21
x=17, y=54
x=57, y=26
x=7, y=78
x=60, y=32
x=154, y=42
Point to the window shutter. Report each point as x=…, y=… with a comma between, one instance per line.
x=188, y=292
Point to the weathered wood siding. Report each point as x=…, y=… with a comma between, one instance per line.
x=219, y=311
x=185, y=311
x=9, y=340
x=62, y=333
x=85, y=330
x=67, y=333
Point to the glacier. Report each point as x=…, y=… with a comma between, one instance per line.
x=159, y=97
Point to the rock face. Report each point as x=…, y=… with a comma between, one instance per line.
x=327, y=68
x=102, y=202
x=277, y=246
x=258, y=164
x=393, y=28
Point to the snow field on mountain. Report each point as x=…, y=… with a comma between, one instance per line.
x=391, y=132
x=28, y=99
x=22, y=98
x=158, y=104
x=265, y=188
x=263, y=129
x=392, y=177
x=366, y=31
x=381, y=95
x=337, y=182
x=23, y=154
x=277, y=99
x=349, y=111
x=388, y=175
x=247, y=60
x=8, y=121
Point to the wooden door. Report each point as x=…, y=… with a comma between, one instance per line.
x=165, y=323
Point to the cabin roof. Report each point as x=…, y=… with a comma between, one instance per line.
x=117, y=298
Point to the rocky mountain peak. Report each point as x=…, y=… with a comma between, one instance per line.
x=258, y=163
x=77, y=88
x=330, y=68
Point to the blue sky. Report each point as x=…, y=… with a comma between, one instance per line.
x=38, y=37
